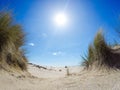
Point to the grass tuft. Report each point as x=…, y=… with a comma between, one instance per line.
x=101, y=55
x=11, y=39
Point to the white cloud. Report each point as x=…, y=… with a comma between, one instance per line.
x=57, y=53
x=31, y=44
x=54, y=53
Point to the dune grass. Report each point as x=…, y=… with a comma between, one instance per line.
x=100, y=54
x=11, y=39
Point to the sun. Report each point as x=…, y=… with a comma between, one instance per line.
x=60, y=19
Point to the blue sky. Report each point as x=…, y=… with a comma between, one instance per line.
x=48, y=44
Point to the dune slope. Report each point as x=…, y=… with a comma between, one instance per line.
x=53, y=79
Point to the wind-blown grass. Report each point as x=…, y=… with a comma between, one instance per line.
x=101, y=55
x=11, y=39
x=88, y=59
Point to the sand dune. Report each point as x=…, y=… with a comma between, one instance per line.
x=54, y=78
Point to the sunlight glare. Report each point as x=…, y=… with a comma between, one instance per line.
x=60, y=19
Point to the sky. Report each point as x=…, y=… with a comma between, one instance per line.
x=53, y=45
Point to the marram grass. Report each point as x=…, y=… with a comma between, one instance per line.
x=101, y=55
x=11, y=39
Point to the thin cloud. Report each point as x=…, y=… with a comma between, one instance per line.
x=54, y=53
x=57, y=53
x=31, y=44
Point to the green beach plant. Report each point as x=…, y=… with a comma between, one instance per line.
x=12, y=38
x=100, y=54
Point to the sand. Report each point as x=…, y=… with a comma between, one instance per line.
x=55, y=78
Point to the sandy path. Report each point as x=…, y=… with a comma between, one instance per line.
x=92, y=80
